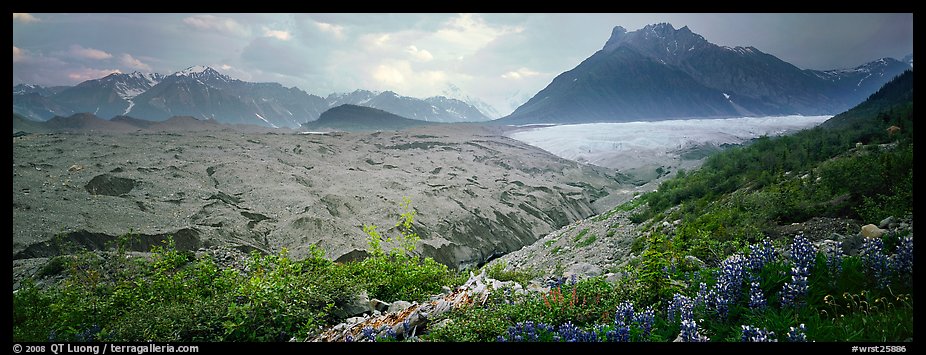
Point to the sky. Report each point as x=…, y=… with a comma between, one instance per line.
x=500, y=59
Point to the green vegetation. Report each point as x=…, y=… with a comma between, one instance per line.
x=501, y=272
x=741, y=192
x=579, y=236
x=177, y=297
x=842, y=303
x=588, y=241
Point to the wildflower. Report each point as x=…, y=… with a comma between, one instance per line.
x=760, y=254
x=876, y=261
x=729, y=283
x=903, y=258
x=703, y=295
x=646, y=319
x=568, y=332
x=390, y=334
x=689, y=332
x=793, y=292
x=756, y=298
x=834, y=260
x=618, y=334
x=680, y=305
x=757, y=335
x=803, y=253
x=369, y=333
x=797, y=335
x=624, y=313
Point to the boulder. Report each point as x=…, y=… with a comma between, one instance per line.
x=872, y=231
x=583, y=270
x=380, y=305
x=851, y=245
x=359, y=304
x=398, y=306
x=885, y=223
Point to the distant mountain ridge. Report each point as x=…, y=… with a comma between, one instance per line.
x=88, y=122
x=354, y=118
x=659, y=72
x=432, y=109
x=203, y=92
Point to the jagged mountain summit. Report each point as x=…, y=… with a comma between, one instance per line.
x=205, y=93
x=660, y=72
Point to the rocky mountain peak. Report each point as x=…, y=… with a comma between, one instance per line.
x=202, y=73
x=658, y=40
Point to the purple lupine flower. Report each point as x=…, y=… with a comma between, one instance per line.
x=877, y=262
x=568, y=332
x=624, y=313
x=757, y=335
x=528, y=331
x=798, y=334
x=756, y=297
x=390, y=334
x=794, y=292
x=349, y=338
x=903, y=258
x=729, y=283
x=369, y=333
x=646, y=319
x=701, y=299
x=760, y=254
x=681, y=306
x=834, y=259
x=803, y=253
x=689, y=332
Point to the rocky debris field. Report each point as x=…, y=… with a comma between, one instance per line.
x=478, y=194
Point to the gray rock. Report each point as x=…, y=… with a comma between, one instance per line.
x=872, y=231
x=398, y=306
x=885, y=223
x=379, y=305
x=903, y=225
x=852, y=244
x=583, y=270
x=353, y=320
x=359, y=304
x=613, y=277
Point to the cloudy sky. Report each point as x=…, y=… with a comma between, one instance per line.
x=502, y=59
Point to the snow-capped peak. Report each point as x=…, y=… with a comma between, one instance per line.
x=196, y=69
x=203, y=73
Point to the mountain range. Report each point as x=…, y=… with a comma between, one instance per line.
x=659, y=72
x=204, y=93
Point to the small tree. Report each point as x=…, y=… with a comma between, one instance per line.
x=407, y=239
